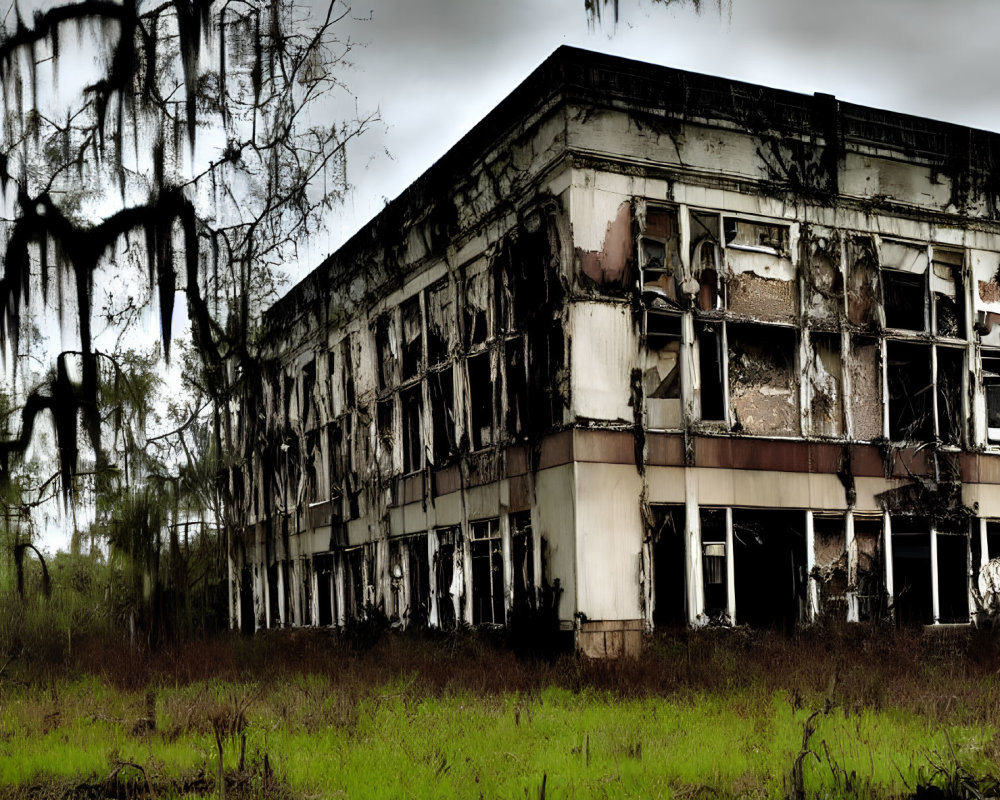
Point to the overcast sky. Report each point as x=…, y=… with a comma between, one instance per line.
x=435, y=67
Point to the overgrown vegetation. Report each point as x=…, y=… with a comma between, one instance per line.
x=852, y=713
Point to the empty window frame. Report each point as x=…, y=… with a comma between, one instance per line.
x=412, y=403
x=705, y=261
x=326, y=604
x=924, y=387
x=911, y=570
x=476, y=309
x=413, y=339
x=948, y=298
x=481, y=400
x=825, y=388
x=516, y=383
x=387, y=349
x=386, y=427
x=660, y=259
x=904, y=286
x=991, y=388
x=441, y=322
x=763, y=380
x=442, y=400
x=306, y=400
x=661, y=377
x=763, y=237
x=486, y=562
x=711, y=371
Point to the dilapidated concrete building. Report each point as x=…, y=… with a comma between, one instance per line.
x=645, y=347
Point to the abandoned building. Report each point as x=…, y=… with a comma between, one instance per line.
x=644, y=348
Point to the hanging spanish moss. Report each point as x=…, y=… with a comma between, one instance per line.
x=172, y=71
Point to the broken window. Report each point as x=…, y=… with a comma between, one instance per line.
x=486, y=555
x=522, y=560
x=660, y=259
x=661, y=377
x=947, y=294
x=991, y=386
x=770, y=559
x=386, y=434
x=476, y=309
x=711, y=373
x=761, y=279
x=917, y=382
x=347, y=372
x=756, y=236
x=863, y=289
x=440, y=322
x=545, y=353
x=308, y=384
x=911, y=570
x=864, y=367
x=705, y=260
x=826, y=397
x=413, y=441
x=386, y=345
x=273, y=596
x=447, y=579
x=763, y=382
x=516, y=377
x=868, y=583
x=413, y=339
x=481, y=390
x=824, y=283
x=313, y=464
x=409, y=580
x=830, y=559
x=669, y=567
x=904, y=286
x=992, y=539
x=442, y=399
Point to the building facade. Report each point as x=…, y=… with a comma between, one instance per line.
x=644, y=348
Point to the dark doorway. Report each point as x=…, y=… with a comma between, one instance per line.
x=953, y=576
x=770, y=556
x=669, y=573
x=911, y=570
x=444, y=574
x=246, y=600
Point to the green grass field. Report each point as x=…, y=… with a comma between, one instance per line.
x=720, y=714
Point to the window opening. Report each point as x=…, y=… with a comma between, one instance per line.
x=953, y=576
x=442, y=394
x=710, y=363
x=826, y=400
x=763, y=382
x=413, y=341
x=705, y=260
x=440, y=322
x=481, y=388
x=476, y=309
x=386, y=346
x=830, y=558
x=949, y=303
x=991, y=386
x=413, y=445
x=661, y=377
x=486, y=554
